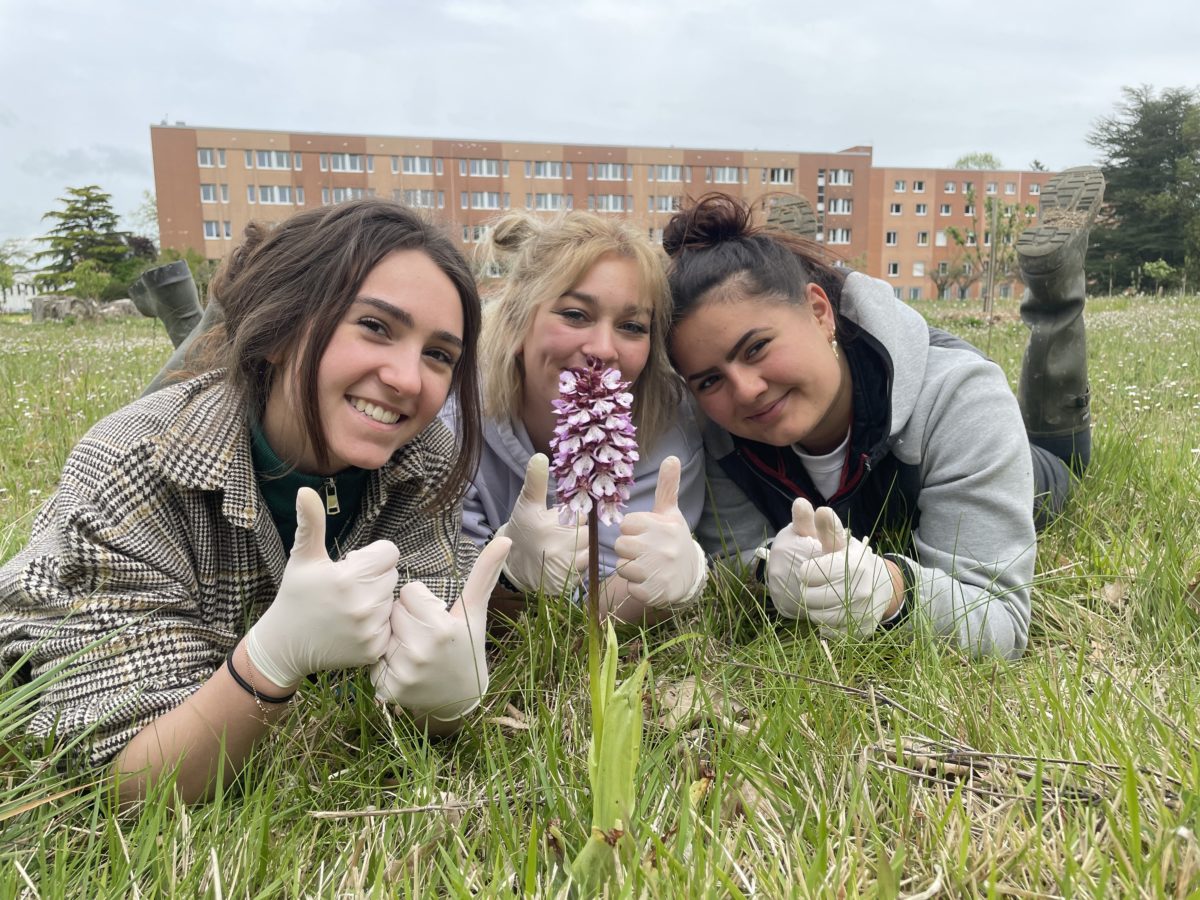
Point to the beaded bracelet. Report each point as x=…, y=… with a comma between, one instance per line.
x=251, y=689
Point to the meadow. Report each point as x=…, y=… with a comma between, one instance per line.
x=775, y=764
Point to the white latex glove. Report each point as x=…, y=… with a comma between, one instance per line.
x=656, y=555
x=546, y=554
x=434, y=663
x=326, y=615
x=816, y=569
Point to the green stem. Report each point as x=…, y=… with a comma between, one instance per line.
x=594, y=616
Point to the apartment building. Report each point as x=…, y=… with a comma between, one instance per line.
x=891, y=223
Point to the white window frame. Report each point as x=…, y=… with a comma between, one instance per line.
x=212, y=230
x=918, y=187
x=895, y=209
x=781, y=175
x=204, y=157
x=899, y=186
x=922, y=209
x=208, y=193
x=893, y=270
x=951, y=187
x=891, y=238
x=922, y=238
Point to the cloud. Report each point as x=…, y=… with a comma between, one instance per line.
x=92, y=163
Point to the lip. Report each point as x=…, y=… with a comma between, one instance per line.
x=770, y=414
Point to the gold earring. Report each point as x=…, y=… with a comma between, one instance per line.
x=833, y=347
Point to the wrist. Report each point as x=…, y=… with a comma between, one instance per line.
x=251, y=656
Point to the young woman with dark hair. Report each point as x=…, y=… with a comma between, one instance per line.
x=836, y=415
x=303, y=483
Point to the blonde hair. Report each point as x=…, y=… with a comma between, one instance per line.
x=540, y=260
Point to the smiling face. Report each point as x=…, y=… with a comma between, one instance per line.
x=764, y=370
x=385, y=373
x=604, y=315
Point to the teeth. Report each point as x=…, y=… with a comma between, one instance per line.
x=379, y=415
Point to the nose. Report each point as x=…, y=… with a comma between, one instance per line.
x=747, y=385
x=601, y=344
x=401, y=372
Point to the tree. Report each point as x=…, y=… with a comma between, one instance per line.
x=144, y=218
x=1037, y=165
x=89, y=280
x=1160, y=270
x=1151, y=158
x=977, y=161
x=990, y=243
x=85, y=229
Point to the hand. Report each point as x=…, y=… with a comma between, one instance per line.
x=834, y=580
x=434, y=663
x=546, y=554
x=326, y=615
x=664, y=567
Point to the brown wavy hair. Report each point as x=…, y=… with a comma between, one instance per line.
x=285, y=289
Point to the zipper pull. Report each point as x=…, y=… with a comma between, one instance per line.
x=332, y=506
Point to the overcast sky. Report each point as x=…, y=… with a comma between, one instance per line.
x=922, y=83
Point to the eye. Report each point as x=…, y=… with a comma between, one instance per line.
x=705, y=383
x=442, y=357
x=373, y=325
x=575, y=316
x=756, y=348
x=636, y=328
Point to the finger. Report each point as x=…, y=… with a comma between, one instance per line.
x=418, y=603
x=310, y=526
x=537, y=476
x=802, y=518
x=830, y=530
x=666, y=491
x=638, y=523
x=473, y=604
x=373, y=560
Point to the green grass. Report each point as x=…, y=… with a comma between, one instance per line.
x=872, y=769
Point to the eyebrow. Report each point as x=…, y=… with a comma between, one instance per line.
x=405, y=319
x=729, y=357
x=630, y=309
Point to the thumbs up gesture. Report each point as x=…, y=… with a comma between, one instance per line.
x=816, y=569
x=326, y=615
x=664, y=567
x=434, y=664
x=545, y=553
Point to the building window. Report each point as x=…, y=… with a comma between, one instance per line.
x=416, y=198
x=969, y=209
x=212, y=229
x=663, y=204
x=224, y=193
x=943, y=268
x=204, y=157
x=324, y=162
x=610, y=171
x=342, y=194
x=299, y=196
x=939, y=238
x=608, y=203
x=918, y=270
x=922, y=209
x=476, y=234
x=841, y=176
x=228, y=229
x=781, y=176
x=922, y=238
x=485, y=200
x=277, y=194
x=1035, y=189
x=251, y=195
x=485, y=168
x=665, y=173
x=345, y=162
x=208, y=193
x=1005, y=292
x=951, y=187
x=416, y=165
x=893, y=269
x=971, y=239
x=273, y=159
x=725, y=174
x=548, y=202
x=899, y=186
x=248, y=158
x=1010, y=187
x=895, y=209
x=890, y=239
x=987, y=239
x=839, y=236
x=944, y=209
x=991, y=187
x=914, y=293
x=968, y=269
x=547, y=170
x=297, y=162
x=840, y=206
x=918, y=187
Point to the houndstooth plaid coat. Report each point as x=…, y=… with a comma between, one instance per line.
x=157, y=552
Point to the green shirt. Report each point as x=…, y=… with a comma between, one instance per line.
x=279, y=483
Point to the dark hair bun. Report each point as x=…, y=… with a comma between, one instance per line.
x=711, y=220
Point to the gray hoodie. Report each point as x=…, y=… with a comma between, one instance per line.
x=956, y=433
